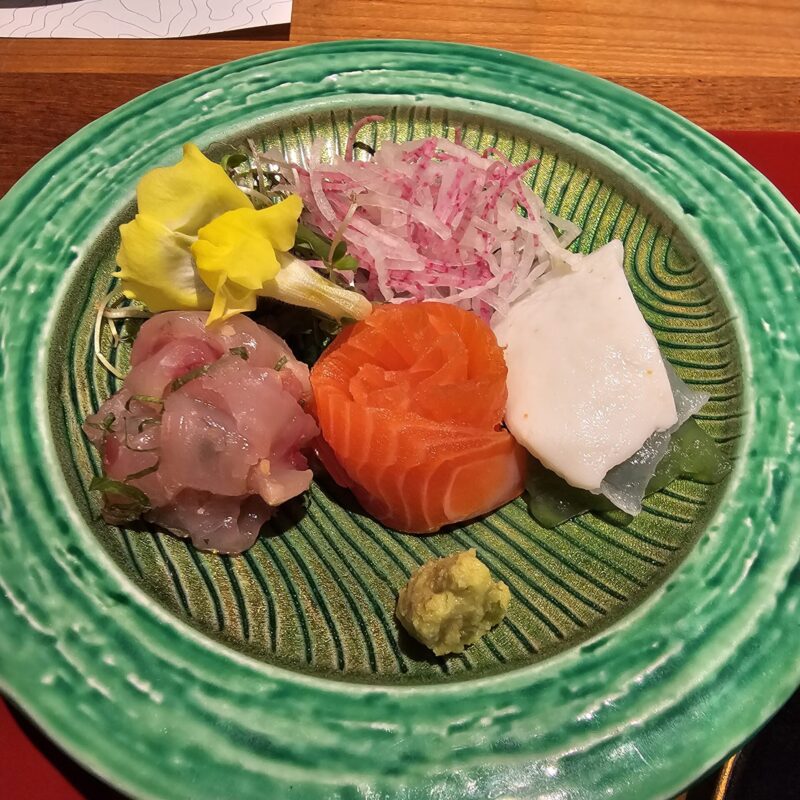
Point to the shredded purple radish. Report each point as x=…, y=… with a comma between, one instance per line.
x=355, y=130
x=431, y=219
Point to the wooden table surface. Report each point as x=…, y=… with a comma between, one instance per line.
x=722, y=63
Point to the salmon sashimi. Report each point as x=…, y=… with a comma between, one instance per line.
x=410, y=403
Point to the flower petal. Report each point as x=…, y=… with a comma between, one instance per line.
x=156, y=267
x=232, y=248
x=279, y=222
x=235, y=252
x=228, y=301
x=189, y=194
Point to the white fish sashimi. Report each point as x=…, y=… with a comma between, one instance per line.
x=587, y=385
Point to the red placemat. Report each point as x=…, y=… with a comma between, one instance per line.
x=776, y=154
x=33, y=768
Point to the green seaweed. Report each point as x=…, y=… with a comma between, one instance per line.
x=692, y=453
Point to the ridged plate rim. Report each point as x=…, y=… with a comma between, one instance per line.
x=638, y=711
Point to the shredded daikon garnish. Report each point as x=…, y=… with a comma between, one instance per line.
x=98, y=328
x=430, y=219
x=106, y=314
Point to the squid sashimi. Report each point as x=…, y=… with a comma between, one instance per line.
x=410, y=403
x=205, y=436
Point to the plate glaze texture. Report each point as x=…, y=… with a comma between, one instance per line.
x=634, y=656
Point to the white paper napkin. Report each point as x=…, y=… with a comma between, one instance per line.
x=151, y=19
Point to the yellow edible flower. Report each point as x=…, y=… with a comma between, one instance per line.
x=198, y=243
x=236, y=253
x=156, y=267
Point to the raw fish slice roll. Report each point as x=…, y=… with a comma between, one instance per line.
x=410, y=403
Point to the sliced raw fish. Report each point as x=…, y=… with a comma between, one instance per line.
x=410, y=402
x=587, y=385
x=209, y=428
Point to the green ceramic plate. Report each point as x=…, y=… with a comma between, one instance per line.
x=633, y=657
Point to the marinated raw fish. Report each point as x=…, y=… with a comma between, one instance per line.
x=205, y=436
